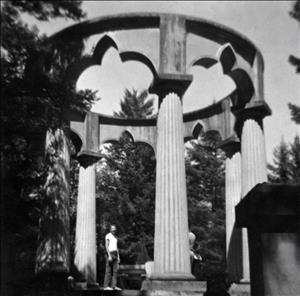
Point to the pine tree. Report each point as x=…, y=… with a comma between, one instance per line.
x=205, y=191
x=295, y=112
x=135, y=105
x=280, y=172
x=295, y=160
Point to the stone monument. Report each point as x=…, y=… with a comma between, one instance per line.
x=237, y=117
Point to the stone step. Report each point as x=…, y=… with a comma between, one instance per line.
x=101, y=292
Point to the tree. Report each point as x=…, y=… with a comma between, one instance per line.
x=206, y=203
x=135, y=105
x=295, y=160
x=31, y=101
x=280, y=171
x=295, y=112
x=286, y=167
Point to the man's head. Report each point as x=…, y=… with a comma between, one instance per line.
x=113, y=229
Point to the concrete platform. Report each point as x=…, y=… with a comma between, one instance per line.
x=240, y=289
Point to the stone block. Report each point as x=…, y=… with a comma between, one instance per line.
x=271, y=212
x=173, y=288
x=240, y=289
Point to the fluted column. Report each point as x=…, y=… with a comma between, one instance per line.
x=53, y=251
x=171, y=250
x=233, y=234
x=253, y=155
x=85, y=238
x=253, y=172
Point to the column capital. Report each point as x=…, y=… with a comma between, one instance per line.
x=230, y=146
x=165, y=83
x=256, y=110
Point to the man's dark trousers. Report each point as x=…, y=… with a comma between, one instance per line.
x=111, y=273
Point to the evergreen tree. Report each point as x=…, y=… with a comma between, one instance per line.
x=280, y=172
x=295, y=112
x=295, y=160
x=286, y=163
x=206, y=203
x=135, y=105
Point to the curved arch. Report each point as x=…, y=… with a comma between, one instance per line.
x=136, y=56
x=76, y=69
x=128, y=134
x=197, y=129
x=213, y=133
x=147, y=145
x=226, y=56
x=244, y=87
x=198, y=26
x=76, y=140
x=102, y=46
x=109, y=141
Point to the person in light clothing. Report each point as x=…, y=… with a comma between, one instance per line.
x=112, y=260
x=193, y=255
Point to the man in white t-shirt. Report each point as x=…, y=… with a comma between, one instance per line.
x=112, y=260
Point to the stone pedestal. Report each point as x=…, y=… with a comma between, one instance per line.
x=239, y=289
x=173, y=288
x=85, y=240
x=171, y=247
x=272, y=215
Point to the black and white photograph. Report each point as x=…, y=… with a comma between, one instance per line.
x=150, y=148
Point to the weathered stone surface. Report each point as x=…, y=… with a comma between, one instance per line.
x=240, y=289
x=180, y=288
x=272, y=214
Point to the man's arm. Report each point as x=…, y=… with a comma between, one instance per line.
x=107, y=250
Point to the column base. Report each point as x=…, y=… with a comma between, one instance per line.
x=86, y=286
x=172, y=277
x=173, y=288
x=240, y=289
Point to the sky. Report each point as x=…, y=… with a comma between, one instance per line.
x=266, y=23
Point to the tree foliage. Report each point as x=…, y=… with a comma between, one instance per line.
x=295, y=113
x=206, y=201
x=286, y=163
x=32, y=100
x=135, y=105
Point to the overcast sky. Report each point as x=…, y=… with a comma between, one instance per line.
x=266, y=23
